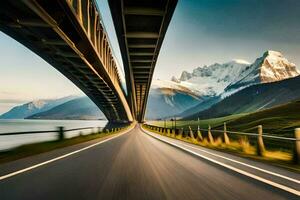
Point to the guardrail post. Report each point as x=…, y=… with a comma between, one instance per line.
x=226, y=138
x=180, y=132
x=199, y=134
x=210, y=137
x=260, y=142
x=296, y=156
x=191, y=134
x=61, y=133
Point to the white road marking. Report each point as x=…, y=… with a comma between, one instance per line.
x=60, y=157
x=277, y=185
x=247, y=165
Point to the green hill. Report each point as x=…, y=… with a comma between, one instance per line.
x=279, y=120
x=79, y=108
x=254, y=98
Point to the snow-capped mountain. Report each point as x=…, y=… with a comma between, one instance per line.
x=212, y=80
x=31, y=108
x=78, y=108
x=168, y=98
x=271, y=67
x=227, y=78
x=218, y=81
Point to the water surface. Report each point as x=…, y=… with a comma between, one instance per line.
x=20, y=125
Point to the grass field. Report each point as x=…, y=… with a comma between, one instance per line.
x=280, y=120
x=216, y=122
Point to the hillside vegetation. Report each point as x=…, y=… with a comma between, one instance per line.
x=279, y=120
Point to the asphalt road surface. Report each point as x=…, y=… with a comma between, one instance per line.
x=136, y=165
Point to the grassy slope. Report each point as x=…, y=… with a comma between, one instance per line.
x=202, y=123
x=279, y=120
x=254, y=98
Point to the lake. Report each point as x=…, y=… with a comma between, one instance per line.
x=20, y=125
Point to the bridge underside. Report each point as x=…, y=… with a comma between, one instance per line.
x=52, y=30
x=140, y=26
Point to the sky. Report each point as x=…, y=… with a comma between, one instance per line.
x=201, y=32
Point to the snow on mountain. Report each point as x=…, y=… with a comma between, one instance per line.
x=210, y=84
x=217, y=81
x=226, y=79
x=79, y=108
x=212, y=80
x=168, y=98
x=170, y=87
x=271, y=67
x=31, y=108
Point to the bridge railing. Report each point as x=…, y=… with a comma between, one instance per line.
x=89, y=17
x=263, y=144
x=15, y=139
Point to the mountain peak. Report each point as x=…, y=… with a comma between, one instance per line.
x=36, y=104
x=273, y=53
x=275, y=67
x=270, y=67
x=185, y=76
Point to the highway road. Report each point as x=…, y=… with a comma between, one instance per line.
x=136, y=165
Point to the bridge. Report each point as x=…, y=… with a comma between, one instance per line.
x=132, y=164
x=70, y=36
x=140, y=27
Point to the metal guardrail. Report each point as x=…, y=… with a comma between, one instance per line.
x=293, y=143
x=50, y=131
x=254, y=134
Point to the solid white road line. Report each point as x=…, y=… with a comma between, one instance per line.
x=247, y=165
x=277, y=185
x=60, y=157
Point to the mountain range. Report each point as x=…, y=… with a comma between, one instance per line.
x=254, y=98
x=31, y=108
x=212, y=84
x=210, y=91
x=79, y=108
x=169, y=98
x=71, y=107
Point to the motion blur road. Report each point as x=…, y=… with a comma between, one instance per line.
x=136, y=165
